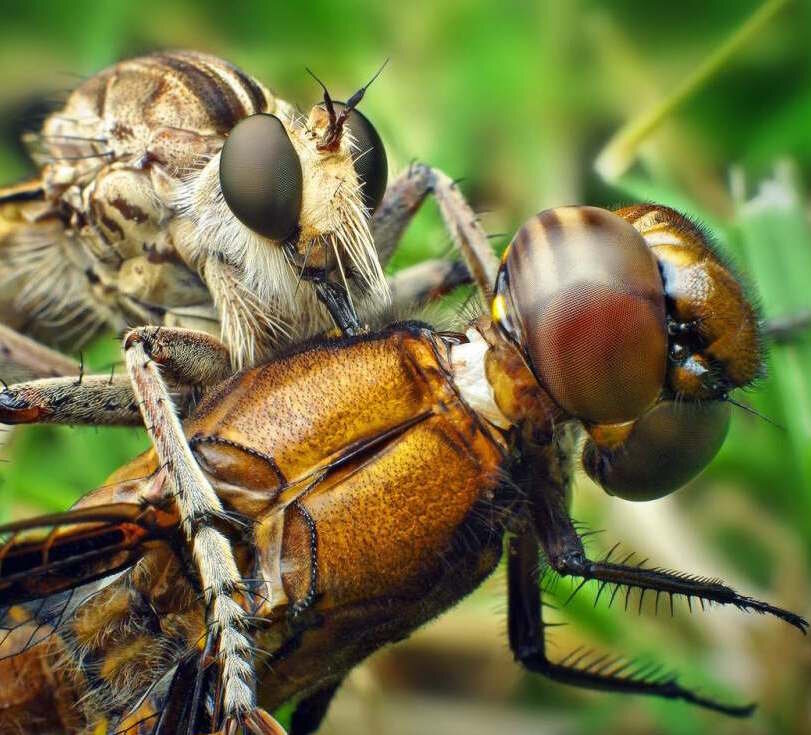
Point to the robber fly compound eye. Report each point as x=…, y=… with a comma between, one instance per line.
x=260, y=176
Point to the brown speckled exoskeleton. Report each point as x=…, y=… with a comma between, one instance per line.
x=367, y=483
x=176, y=190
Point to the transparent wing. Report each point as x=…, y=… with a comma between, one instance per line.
x=51, y=564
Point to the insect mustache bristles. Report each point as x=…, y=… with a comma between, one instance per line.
x=354, y=237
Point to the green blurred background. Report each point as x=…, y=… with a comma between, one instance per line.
x=520, y=100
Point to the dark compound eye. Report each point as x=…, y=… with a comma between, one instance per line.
x=371, y=164
x=665, y=449
x=260, y=176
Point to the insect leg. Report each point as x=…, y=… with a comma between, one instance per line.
x=787, y=329
x=400, y=203
x=426, y=281
x=98, y=400
x=22, y=358
x=188, y=357
x=565, y=553
x=588, y=670
x=403, y=199
x=197, y=504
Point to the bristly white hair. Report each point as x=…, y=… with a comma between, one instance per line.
x=255, y=287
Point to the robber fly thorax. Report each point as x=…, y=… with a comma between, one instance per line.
x=377, y=491
x=175, y=189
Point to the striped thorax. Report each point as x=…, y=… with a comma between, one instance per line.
x=155, y=167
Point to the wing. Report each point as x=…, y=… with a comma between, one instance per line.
x=76, y=547
x=49, y=564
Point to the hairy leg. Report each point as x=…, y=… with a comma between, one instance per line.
x=527, y=633
x=197, y=505
x=426, y=282
x=189, y=359
x=402, y=201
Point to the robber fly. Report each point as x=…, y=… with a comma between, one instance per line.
x=176, y=190
x=367, y=483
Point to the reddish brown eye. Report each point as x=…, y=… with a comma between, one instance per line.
x=666, y=448
x=585, y=295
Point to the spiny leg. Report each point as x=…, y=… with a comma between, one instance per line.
x=564, y=549
x=211, y=550
x=565, y=553
x=191, y=359
x=527, y=641
x=96, y=400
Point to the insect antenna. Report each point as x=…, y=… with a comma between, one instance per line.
x=327, y=100
x=355, y=99
x=332, y=135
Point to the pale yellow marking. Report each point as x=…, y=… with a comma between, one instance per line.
x=499, y=309
x=570, y=217
x=676, y=254
x=648, y=220
x=663, y=237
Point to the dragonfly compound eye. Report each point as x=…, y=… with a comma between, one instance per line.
x=667, y=447
x=260, y=176
x=582, y=296
x=371, y=164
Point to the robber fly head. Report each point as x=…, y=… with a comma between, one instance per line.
x=302, y=187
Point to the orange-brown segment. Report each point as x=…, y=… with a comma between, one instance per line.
x=722, y=345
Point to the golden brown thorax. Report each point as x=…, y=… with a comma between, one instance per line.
x=364, y=478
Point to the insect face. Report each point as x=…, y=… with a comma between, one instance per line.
x=309, y=187
x=632, y=324
x=713, y=327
